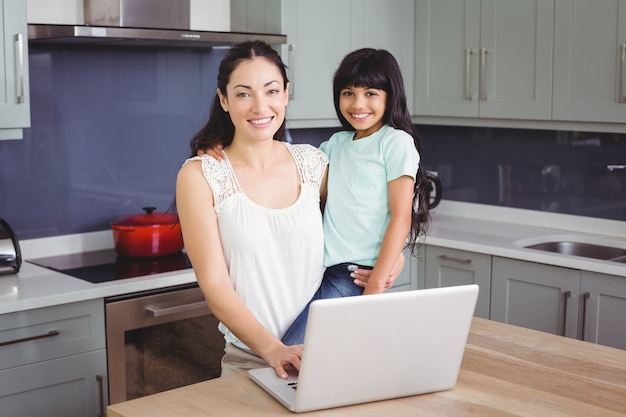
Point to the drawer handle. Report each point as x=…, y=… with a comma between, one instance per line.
x=159, y=312
x=51, y=333
x=449, y=258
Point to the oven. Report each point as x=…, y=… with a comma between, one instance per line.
x=156, y=340
x=160, y=340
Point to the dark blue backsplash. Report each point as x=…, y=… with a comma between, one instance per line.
x=110, y=129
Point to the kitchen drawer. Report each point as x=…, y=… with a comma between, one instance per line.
x=37, y=335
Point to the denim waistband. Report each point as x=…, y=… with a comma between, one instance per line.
x=346, y=266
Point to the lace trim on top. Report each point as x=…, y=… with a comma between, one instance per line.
x=311, y=163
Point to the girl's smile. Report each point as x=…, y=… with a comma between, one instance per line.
x=363, y=108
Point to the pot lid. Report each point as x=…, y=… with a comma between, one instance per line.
x=150, y=218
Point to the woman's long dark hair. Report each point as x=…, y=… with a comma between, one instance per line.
x=377, y=68
x=219, y=129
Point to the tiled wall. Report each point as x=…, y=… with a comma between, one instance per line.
x=110, y=129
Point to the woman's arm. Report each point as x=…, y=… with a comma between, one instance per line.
x=194, y=201
x=400, y=208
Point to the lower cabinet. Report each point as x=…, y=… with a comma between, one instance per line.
x=603, y=309
x=535, y=296
x=447, y=267
x=569, y=302
x=53, y=361
x=70, y=386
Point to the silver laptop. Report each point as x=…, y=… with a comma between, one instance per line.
x=376, y=347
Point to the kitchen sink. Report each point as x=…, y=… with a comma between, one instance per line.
x=587, y=250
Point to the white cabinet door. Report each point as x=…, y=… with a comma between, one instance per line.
x=318, y=36
x=70, y=386
x=484, y=58
x=14, y=88
x=448, y=267
x=604, y=309
x=535, y=296
x=589, y=43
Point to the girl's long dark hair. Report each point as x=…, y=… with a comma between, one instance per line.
x=219, y=129
x=377, y=68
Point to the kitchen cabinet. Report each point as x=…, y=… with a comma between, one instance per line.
x=14, y=90
x=53, y=361
x=447, y=267
x=603, y=309
x=484, y=58
x=579, y=304
x=589, y=55
x=319, y=35
x=535, y=296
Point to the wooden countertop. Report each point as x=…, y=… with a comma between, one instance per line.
x=506, y=371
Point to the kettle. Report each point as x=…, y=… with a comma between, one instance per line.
x=10, y=254
x=434, y=190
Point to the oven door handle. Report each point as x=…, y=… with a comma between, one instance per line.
x=167, y=311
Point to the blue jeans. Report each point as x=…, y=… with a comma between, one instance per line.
x=336, y=283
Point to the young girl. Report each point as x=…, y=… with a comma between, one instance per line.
x=377, y=199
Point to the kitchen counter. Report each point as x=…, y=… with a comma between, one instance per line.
x=506, y=371
x=471, y=227
x=36, y=287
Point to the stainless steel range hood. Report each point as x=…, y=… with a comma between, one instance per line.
x=122, y=36
x=141, y=23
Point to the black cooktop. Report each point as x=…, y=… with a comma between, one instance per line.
x=107, y=265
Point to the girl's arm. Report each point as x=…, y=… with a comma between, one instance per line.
x=400, y=208
x=194, y=201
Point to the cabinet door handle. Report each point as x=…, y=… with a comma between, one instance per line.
x=586, y=297
x=449, y=258
x=100, y=381
x=19, y=50
x=159, y=312
x=566, y=295
x=51, y=333
x=621, y=93
x=291, y=59
x=468, y=80
x=483, y=78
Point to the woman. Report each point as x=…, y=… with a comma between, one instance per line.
x=251, y=220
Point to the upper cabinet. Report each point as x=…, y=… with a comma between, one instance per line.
x=14, y=91
x=484, y=58
x=589, y=61
x=319, y=34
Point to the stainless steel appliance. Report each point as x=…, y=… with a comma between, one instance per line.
x=142, y=23
x=160, y=340
x=10, y=254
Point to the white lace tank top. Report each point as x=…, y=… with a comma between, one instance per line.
x=274, y=256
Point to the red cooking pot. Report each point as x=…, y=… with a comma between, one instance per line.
x=147, y=235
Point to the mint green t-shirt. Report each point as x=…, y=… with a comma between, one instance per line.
x=356, y=214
